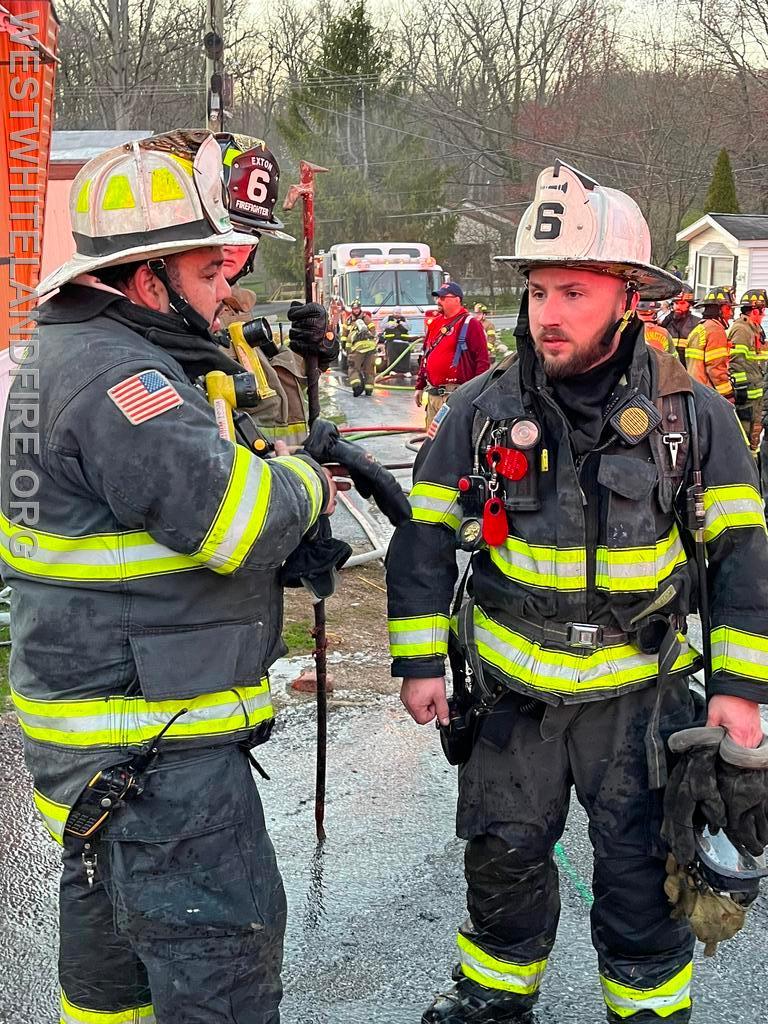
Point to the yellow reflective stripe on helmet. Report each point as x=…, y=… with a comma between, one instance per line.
x=120, y=721
x=418, y=636
x=491, y=972
x=734, y=506
x=54, y=815
x=309, y=478
x=744, y=654
x=620, y=570
x=537, y=565
x=662, y=1000
x=71, y=1014
x=84, y=196
x=436, y=504
x=118, y=194
x=165, y=186
x=95, y=557
x=241, y=514
x=566, y=672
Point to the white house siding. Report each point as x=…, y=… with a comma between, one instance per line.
x=758, y=269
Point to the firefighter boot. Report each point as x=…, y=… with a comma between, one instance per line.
x=357, y=388
x=469, y=1003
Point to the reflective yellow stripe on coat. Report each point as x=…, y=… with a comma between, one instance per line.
x=733, y=507
x=121, y=721
x=491, y=972
x=617, y=570
x=419, y=636
x=435, y=504
x=663, y=1000
x=744, y=654
x=567, y=673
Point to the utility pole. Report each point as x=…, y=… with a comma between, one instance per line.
x=213, y=41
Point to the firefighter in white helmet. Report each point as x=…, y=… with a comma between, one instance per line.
x=565, y=474
x=147, y=606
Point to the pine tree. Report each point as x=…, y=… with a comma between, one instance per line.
x=721, y=197
x=383, y=185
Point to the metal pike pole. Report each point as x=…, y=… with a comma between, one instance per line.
x=305, y=191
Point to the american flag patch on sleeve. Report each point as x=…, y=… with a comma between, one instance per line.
x=440, y=415
x=144, y=396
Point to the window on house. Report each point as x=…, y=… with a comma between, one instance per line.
x=712, y=271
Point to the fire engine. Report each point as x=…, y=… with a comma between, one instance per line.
x=383, y=277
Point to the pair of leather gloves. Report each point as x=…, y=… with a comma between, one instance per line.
x=719, y=784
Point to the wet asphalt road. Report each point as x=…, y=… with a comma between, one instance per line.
x=373, y=914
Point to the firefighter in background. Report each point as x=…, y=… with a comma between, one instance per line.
x=150, y=604
x=481, y=312
x=707, y=352
x=361, y=348
x=655, y=335
x=570, y=663
x=680, y=321
x=747, y=365
x=350, y=316
x=396, y=337
x=455, y=350
x=283, y=416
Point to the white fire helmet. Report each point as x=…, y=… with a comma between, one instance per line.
x=155, y=197
x=574, y=222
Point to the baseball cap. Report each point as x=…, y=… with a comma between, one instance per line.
x=449, y=289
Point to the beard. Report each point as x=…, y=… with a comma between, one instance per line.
x=578, y=361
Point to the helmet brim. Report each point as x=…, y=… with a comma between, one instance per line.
x=80, y=264
x=651, y=282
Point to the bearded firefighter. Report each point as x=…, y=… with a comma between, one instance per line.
x=563, y=473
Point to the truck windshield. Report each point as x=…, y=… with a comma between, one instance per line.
x=377, y=288
x=415, y=287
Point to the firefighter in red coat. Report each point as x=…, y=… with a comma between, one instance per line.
x=455, y=350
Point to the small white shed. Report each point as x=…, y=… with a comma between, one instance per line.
x=727, y=248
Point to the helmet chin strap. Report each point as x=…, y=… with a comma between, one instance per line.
x=624, y=320
x=247, y=267
x=197, y=323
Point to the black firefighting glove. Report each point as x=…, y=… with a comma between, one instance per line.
x=315, y=561
x=309, y=334
x=692, y=798
x=371, y=480
x=742, y=778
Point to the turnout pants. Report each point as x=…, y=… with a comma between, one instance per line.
x=513, y=802
x=362, y=370
x=184, y=920
x=751, y=417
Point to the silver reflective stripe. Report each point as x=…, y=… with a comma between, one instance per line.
x=565, y=672
x=500, y=974
x=132, y=719
x=434, y=503
x=247, y=515
x=741, y=653
x=639, y=568
x=671, y=996
x=542, y=566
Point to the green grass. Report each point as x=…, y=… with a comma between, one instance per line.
x=298, y=637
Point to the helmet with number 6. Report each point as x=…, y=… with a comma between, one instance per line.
x=251, y=174
x=575, y=222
